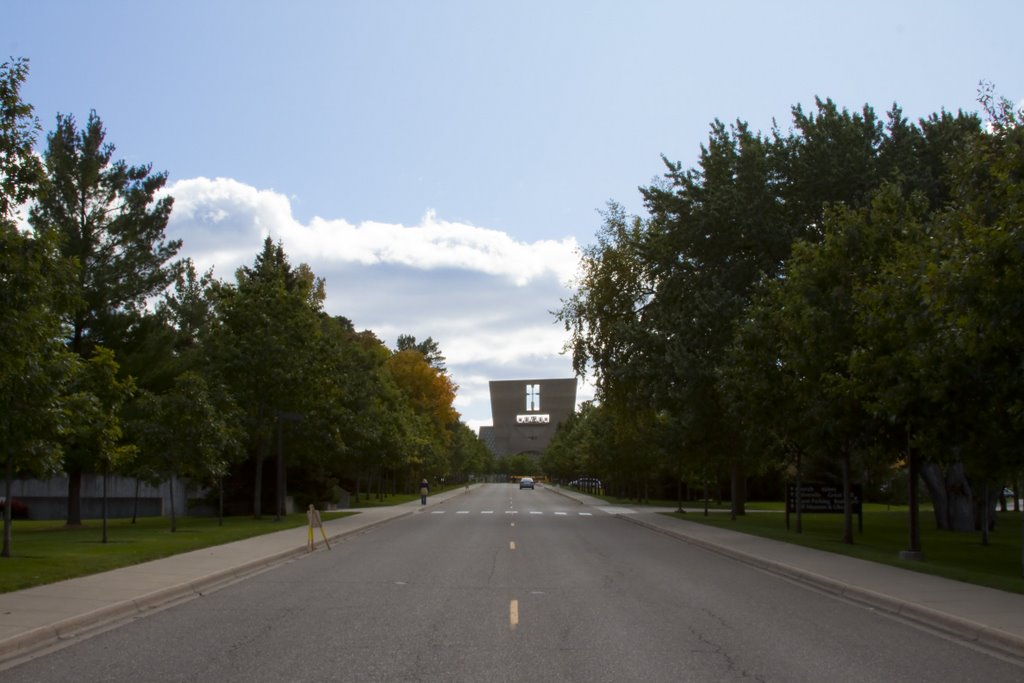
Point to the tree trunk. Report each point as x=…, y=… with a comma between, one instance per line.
x=8, y=504
x=135, y=506
x=257, y=498
x=74, y=496
x=985, y=507
x=105, y=515
x=847, y=506
x=737, y=490
x=951, y=496
x=1020, y=513
x=799, y=496
x=912, y=484
x=174, y=518
x=279, y=475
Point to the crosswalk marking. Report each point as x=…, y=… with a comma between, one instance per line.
x=557, y=513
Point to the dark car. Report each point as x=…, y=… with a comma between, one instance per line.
x=526, y=483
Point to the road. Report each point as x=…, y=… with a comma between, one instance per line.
x=507, y=585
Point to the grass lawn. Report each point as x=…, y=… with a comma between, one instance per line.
x=48, y=551
x=369, y=500
x=954, y=555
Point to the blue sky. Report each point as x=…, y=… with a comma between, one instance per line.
x=439, y=162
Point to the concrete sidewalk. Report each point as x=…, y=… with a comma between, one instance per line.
x=976, y=614
x=40, y=617
x=37, y=618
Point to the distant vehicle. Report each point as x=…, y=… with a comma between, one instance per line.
x=591, y=483
x=526, y=483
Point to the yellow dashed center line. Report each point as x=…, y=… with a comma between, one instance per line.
x=511, y=545
x=513, y=614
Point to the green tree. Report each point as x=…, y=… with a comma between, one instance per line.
x=830, y=157
x=378, y=435
x=716, y=232
x=816, y=309
x=95, y=439
x=167, y=352
x=112, y=225
x=263, y=344
x=430, y=395
x=20, y=170
x=469, y=455
x=186, y=434
x=519, y=465
x=604, y=313
x=34, y=368
x=171, y=338
x=941, y=324
x=560, y=460
x=430, y=349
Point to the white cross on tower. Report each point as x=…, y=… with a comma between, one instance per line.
x=532, y=397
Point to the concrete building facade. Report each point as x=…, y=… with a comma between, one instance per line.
x=525, y=413
x=48, y=499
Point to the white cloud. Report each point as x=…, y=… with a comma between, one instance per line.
x=483, y=296
x=434, y=244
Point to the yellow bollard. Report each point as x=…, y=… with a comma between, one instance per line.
x=313, y=515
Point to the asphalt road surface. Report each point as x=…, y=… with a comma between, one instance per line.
x=507, y=585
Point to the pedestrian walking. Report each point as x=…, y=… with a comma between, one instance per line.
x=424, y=490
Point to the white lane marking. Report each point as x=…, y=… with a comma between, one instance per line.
x=513, y=512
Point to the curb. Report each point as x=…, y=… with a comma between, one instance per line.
x=42, y=637
x=80, y=625
x=957, y=627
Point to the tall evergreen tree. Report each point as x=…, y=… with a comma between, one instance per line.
x=111, y=223
x=266, y=333
x=430, y=349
